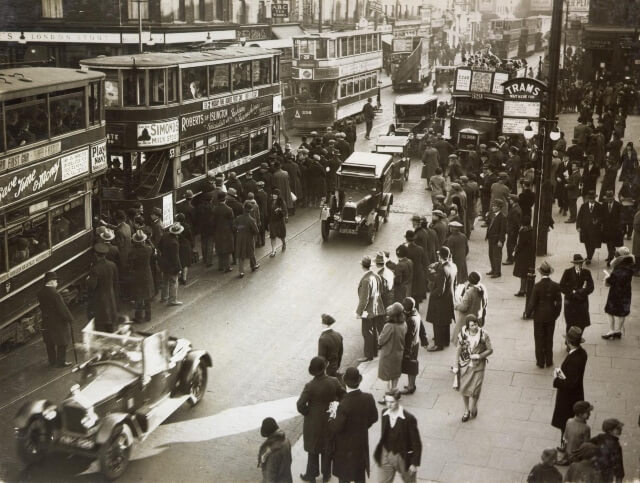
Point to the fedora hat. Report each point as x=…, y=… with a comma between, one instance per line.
x=352, y=377
x=574, y=335
x=380, y=258
x=157, y=211
x=50, y=276
x=139, y=237
x=545, y=268
x=609, y=196
x=410, y=235
x=176, y=229
x=317, y=365
x=577, y=258
x=101, y=248
x=106, y=234
x=438, y=213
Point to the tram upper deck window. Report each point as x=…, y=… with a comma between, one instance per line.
x=194, y=83
x=172, y=84
x=95, y=104
x=303, y=46
x=369, y=42
x=67, y=111
x=261, y=71
x=321, y=50
x=27, y=121
x=331, y=49
x=111, y=89
x=2, y=135
x=28, y=239
x=133, y=88
x=219, y=79
x=68, y=220
x=344, y=50
x=241, y=72
x=157, y=87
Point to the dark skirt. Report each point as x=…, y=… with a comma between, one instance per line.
x=277, y=228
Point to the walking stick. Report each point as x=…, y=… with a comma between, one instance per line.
x=73, y=342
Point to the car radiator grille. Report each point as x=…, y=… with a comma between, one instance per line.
x=349, y=213
x=72, y=419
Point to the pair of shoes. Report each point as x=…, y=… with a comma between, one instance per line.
x=408, y=390
x=364, y=359
x=175, y=303
x=63, y=364
x=508, y=262
x=227, y=270
x=520, y=294
x=434, y=348
x=272, y=254
x=496, y=275
x=609, y=335
x=489, y=273
x=241, y=275
x=253, y=269
x=617, y=335
x=466, y=416
x=307, y=478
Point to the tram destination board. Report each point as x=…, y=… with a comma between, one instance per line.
x=480, y=82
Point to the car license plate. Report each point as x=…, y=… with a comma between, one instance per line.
x=349, y=231
x=84, y=443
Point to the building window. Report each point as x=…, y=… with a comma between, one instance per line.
x=138, y=5
x=52, y=8
x=198, y=10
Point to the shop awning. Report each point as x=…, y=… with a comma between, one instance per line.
x=287, y=31
x=387, y=38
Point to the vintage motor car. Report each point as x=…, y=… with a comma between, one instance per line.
x=129, y=384
x=398, y=147
x=364, y=182
x=413, y=113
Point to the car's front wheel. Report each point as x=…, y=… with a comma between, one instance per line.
x=115, y=453
x=324, y=229
x=198, y=384
x=33, y=441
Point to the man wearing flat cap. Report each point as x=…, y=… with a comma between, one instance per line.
x=330, y=345
x=313, y=404
x=370, y=308
x=545, y=306
x=56, y=321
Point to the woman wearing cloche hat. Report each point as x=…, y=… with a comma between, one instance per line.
x=618, y=304
x=391, y=342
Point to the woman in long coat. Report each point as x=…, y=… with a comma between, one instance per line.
x=142, y=289
x=627, y=197
x=409, y=364
x=222, y=221
x=185, y=239
x=246, y=233
x=523, y=254
x=609, y=179
x=278, y=217
x=629, y=163
x=618, y=303
x=391, y=342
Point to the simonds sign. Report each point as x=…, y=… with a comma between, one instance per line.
x=524, y=89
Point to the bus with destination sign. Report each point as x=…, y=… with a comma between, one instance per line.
x=52, y=156
x=333, y=75
x=478, y=96
x=504, y=36
x=173, y=119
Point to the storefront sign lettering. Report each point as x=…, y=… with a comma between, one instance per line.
x=158, y=133
x=29, y=156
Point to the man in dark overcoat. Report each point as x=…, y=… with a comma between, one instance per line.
x=402, y=274
x=343, y=146
x=350, y=423
x=589, y=224
x=142, y=289
x=281, y=181
x=262, y=199
x=170, y=264
x=102, y=282
x=425, y=237
x=295, y=178
x=611, y=227
x=459, y=247
x=222, y=222
x=249, y=185
x=495, y=236
x=263, y=174
x=56, y=321
x=415, y=253
x=576, y=285
x=514, y=222
x=568, y=380
x=246, y=233
x=330, y=345
x=441, y=301
x=545, y=306
x=313, y=404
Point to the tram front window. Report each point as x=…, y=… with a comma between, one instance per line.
x=67, y=112
x=219, y=78
x=28, y=240
x=157, y=87
x=316, y=91
x=241, y=75
x=133, y=88
x=194, y=83
x=26, y=121
x=473, y=107
x=261, y=72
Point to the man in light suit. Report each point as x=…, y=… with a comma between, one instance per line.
x=441, y=302
x=370, y=308
x=330, y=345
x=349, y=422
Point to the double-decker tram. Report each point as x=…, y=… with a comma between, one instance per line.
x=333, y=75
x=52, y=151
x=531, y=38
x=175, y=118
x=504, y=36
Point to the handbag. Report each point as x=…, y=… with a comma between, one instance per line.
x=409, y=366
x=456, y=377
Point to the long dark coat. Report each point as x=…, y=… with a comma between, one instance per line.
x=331, y=348
x=523, y=252
x=590, y=225
x=141, y=275
x=571, y=389
x=459, y=247
x=546, y=302
x=277, y=215
x=576, y=289
x=356, y=413
x=420, y=266
x=402, y=278
x=611, y=228
x=56, y=317
x=246, y=232
x=313, y=404
x=441, y=301
x=103, y=284
x=427, y=239
x=185, y=240
x=263, y=204
x=282, y=182
x=222, y=222
x=619, y=283
x=169, y=261
x=316, y=179
x=295, y=178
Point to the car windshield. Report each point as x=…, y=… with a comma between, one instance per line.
x=124, y=349
x=355, y=186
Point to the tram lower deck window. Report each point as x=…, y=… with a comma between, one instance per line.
x=28, y=240
x=259, y=141
x=239, y=148
x=193, y=167
x=67, y=220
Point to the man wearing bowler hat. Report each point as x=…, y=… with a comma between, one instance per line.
x=349, y=422
x=56, y=321
x=589, y=224
x=568, y=380
x=330, y=345
x=313, y=404
x=576, y=285
x=545, y=306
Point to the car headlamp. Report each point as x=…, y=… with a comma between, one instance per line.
x=90, y=419
x=358, y=218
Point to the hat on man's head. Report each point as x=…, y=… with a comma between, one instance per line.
x=380, y=258
x=341, y=135
x=408, y=304
x=221, y=196
x=545, y=268
x=157, y=211
x=176, y=229
x=577, y=258
x=416, y=217
x=394, y=309
x=609, y=196
x=437, y=213
x=106, y=234
x=139, y=236
x=444, y=253
x=327, y=319
x=264, y=165
x=439, y=197
x=232, y=192
x=503, y=175
x=582, y=407
x=260, y=183
x=514, y=149
x=455, y=224
x=101, y=248
x=268, y=427
x=591, y=195
x=352, y=377
x=188, y=194
x=409, y=235
x=574, y=335
x=464, y=178
x=365, y=261
x=313, y=133
x=610, y=424
x=402, y=251
x=50, y=276
x=453, y=156
x=317, y=365
x=499, y=203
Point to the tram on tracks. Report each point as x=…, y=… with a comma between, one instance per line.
x=531, y=37
x=174, y=119
x=333, y=75
x=52, y=153
x=504, y=36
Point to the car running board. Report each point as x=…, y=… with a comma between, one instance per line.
x=161, y=411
